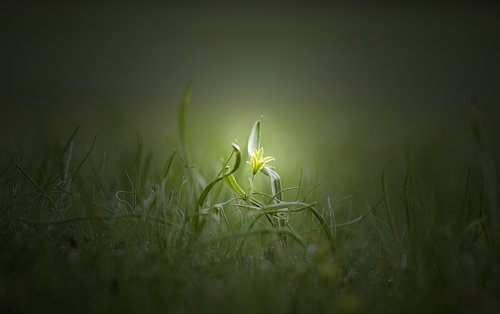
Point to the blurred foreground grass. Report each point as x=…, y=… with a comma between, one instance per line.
x=86, y=229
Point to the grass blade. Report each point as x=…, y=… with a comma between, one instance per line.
x=204, y=193
x=388, y=208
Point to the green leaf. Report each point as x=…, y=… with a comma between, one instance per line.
x=254, y=138
x=233, y=184
x=275, y=179
x=204, y=194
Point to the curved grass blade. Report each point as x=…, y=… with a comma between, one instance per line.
x=275, y=206
x=204, y=193
x=233, y=184
x=326, y=228
x=278, y=211
x=352, y=222
x=302, y=206
x=275, y=179
x=273, y=197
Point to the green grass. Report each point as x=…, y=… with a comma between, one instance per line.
x=81, y=232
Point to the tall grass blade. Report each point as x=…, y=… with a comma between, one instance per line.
x=86, y=156
x=333, y=225
x=168, y=164
x=388, y=208
x=62, y=153
x=407, y=196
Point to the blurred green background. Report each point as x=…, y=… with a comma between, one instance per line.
x=342, y=89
